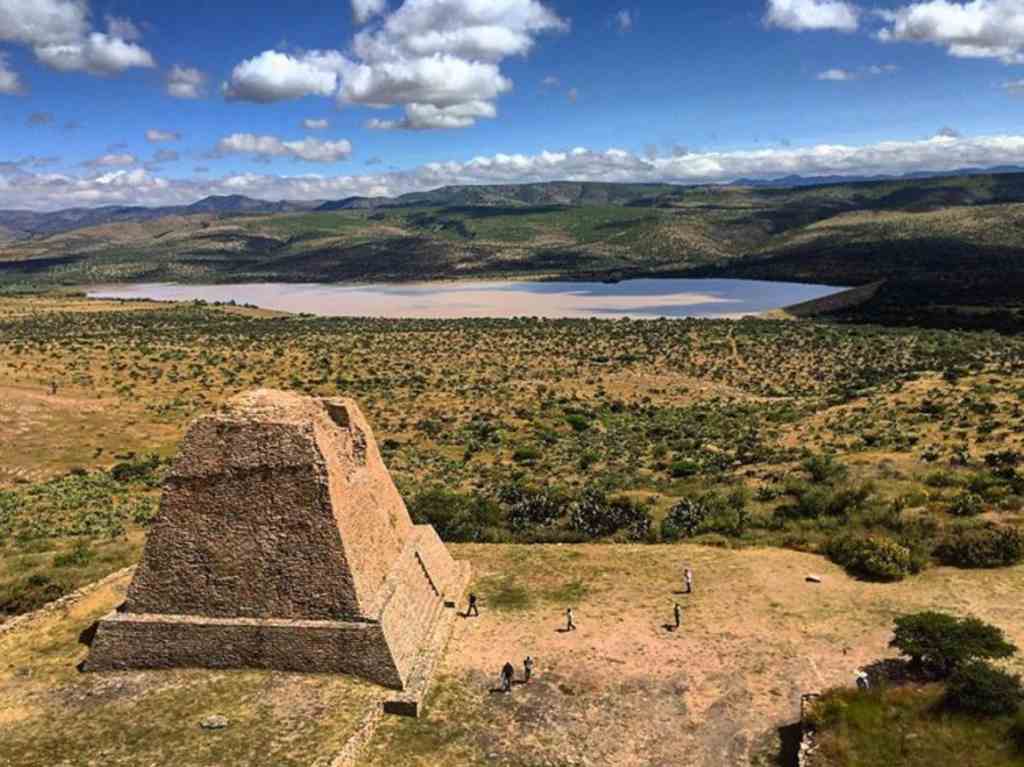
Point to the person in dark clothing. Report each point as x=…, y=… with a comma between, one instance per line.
x=527, y=668
x=472, y=610
x=678, y=615
x=507, y=672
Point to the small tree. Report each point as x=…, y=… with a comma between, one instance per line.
x=978, y=688
x=942, y=643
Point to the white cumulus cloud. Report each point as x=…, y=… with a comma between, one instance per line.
x=805, y=15
x=975, y=29
x=186, y=83
x=111, y=160
x=428, y=116
x=267, y=147
x=839, y=74
x=156, y=136
x=10, y=82
x=273, y=76
x=315, y=124
x=364, y=10
x=61, y=37
x=437, y=59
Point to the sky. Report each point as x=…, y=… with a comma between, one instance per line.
x=156, y=103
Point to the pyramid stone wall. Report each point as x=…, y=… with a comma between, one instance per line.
x=282, y=542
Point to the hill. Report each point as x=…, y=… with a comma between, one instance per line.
x=947, y=249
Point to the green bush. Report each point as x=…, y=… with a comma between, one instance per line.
x=975, y=546
x=872, y=557
x=78, y=556
x=526, y=454
x=458, y=517
x=979, y=688
x=941, y=643
x=684, y=519
x=825, y=468
x=145, y=469
x=967, y=504
x=529, y=509
x=1017, y=731
x=684, y=468
x=596, y=516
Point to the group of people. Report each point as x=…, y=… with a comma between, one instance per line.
x=508, y=673
x=677, y=609
x=508, y=670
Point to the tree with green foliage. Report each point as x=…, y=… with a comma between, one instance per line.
x=979, y=688
x=941, y=643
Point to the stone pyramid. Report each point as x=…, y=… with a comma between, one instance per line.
x=282, y=543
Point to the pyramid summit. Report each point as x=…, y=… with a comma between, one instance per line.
x=282, y=543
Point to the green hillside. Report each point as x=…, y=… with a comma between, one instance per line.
x=948, y=250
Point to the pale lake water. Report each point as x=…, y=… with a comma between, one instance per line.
x=638, y=299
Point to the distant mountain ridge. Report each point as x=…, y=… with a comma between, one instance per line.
x=21, y=224
x=27, y=223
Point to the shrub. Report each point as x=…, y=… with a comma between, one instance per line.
x=684, y=468
x=684, y=519
x=981, y=546
x=78, y=556
x=596, y=516
x=578, y=423
x=1017, y=731
x=967, y=504
x=144, y=469
x=458, y=517
x=979, y=688
x=941, y=643
x=529, y=509
x=941, y=479
x=815, y=501
x=526, y=454
x=825, y=468
x=872, y=557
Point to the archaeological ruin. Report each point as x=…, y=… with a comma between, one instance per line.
x=282, y=543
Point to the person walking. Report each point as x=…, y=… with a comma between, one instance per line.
x=472, y=609
x=570, y=624
x=527, y=668
x=507, y=672
x=678, y=611
x=688, y=580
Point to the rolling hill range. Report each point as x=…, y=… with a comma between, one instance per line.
x=946, y=250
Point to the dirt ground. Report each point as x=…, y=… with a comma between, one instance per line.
x=621, y=690
x=625, y=690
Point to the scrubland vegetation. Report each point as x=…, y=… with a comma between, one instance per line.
x=888, y=450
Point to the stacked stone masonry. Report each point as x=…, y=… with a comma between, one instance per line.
x=282, y=543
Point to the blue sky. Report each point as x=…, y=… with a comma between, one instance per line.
x=414, y=90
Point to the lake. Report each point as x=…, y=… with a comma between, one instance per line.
x=638, y=299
